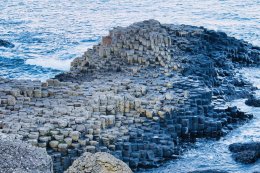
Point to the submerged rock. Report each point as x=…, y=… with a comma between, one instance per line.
x=246, y=156
x=97, y=163
x=245, y=152
x=253, y=100
x=6, y=44
x=20, y=157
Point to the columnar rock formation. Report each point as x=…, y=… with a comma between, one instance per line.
x=136, y=95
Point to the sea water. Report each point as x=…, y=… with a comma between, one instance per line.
x=49, y=34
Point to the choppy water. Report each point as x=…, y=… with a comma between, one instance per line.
x=48, y=34
x=207, y=154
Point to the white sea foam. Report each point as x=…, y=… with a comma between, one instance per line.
x=54, y=63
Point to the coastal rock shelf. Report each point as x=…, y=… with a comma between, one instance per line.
x=137, y=95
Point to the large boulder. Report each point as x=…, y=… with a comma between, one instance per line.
x=7, y=44
x=253, y=100
x=98, y=162
x=20, y=157
x=245, y=153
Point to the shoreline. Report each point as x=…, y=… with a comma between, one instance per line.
x=137, y=95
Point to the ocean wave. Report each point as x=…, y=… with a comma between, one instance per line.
x=54, y=63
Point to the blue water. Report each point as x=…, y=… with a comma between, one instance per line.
x=48, y=34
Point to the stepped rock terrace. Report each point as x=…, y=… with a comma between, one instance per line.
x=137, y=95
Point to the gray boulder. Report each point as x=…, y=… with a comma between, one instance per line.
x=98, y=162
x=20, y=157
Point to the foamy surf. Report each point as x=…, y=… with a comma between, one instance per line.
x=53, y=63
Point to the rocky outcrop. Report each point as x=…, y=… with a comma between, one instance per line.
x=7, y=44
x=20, y=157
x=253, y=100
x=245, y=152
x=138, y=95
x=98, y=162
x=182, y=48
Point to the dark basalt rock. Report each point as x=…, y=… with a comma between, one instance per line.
x=238, y=147
x=246, y=156
x=245, y=153
x=6, y=44
x=253, y=100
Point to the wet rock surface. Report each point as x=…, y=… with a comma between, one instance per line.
x=245, y=152
x=98, y=162
x=6, y=44
x=137, y=95
x=20, y=157
x=253, y=100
